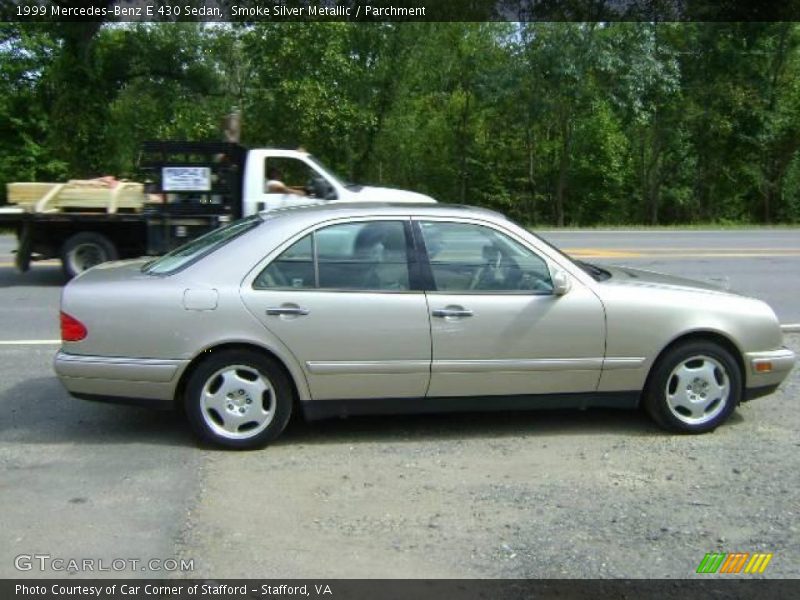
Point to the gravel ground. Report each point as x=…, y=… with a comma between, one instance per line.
x=515, y=495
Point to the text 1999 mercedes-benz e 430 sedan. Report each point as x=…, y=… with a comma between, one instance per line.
x=371, y=308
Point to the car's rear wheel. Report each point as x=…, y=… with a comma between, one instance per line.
x=694, y=387
x=238, y=399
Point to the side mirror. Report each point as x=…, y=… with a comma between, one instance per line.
x=561, y=282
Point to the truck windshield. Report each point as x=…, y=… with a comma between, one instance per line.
x=202, y=246
x=329, y=173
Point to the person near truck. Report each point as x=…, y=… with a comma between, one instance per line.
x=275, y=184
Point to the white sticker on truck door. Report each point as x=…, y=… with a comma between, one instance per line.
x=186, y=179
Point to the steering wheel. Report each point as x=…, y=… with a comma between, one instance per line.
x=500, y=271
x=531, y=281
x=485, y=276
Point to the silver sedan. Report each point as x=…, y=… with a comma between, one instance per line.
x=376, y=308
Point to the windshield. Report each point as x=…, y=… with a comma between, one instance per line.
x=331, y=174
x=595, y=272
x=202, y=246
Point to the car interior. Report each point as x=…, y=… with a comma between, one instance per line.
x=364, y=256
x=373, y=256
x=500, y=264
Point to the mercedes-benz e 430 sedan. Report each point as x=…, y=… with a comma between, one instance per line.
x=347, y=309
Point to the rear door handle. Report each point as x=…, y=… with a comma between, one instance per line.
x=287, y=310
x=451, y=312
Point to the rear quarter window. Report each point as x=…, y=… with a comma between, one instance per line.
x=206, y=244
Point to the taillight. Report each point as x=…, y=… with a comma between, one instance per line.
x=72, y=330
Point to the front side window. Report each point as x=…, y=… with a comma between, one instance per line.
x=286, y=175
x=473, y=258
x=350, y=256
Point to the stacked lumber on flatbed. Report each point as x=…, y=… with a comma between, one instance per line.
x=103, y=194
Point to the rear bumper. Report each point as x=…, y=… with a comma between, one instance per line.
x=119, y=379
x=770, y=368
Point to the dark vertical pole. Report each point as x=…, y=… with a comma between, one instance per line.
x=232, y=133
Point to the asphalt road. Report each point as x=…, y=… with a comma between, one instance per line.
x=551, y=494
x=760, y=263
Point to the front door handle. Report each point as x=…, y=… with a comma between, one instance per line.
x=451, y=312
x=287, y=310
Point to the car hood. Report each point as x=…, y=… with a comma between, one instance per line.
x=631, y=276
x=382, y=194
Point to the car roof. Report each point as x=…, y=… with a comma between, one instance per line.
x=377, y=209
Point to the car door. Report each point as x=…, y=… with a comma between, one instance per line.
x=497, y=327
x=342, y=299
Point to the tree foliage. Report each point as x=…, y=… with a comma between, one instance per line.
x=552, y=123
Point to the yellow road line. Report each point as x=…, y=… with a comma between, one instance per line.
x=658, y=253
x=44, y=263
x=603, y=253
x=589, y=253
x=690, y=249
x=725, y=255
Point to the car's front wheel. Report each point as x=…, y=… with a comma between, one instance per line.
x=238, y=399
x=694, y=387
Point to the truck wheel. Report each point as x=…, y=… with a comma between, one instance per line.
x=85, y=250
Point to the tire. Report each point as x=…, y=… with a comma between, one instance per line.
x=238, y=399
x=694, y=387
x=22, y=260
x=85, y=250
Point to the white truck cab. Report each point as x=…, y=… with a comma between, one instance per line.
x=299, y=170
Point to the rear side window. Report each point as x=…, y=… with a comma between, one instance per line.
x=202, y=246
x=350, y=256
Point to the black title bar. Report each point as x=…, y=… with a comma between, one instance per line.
x=398, y=10
x=730, y=588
